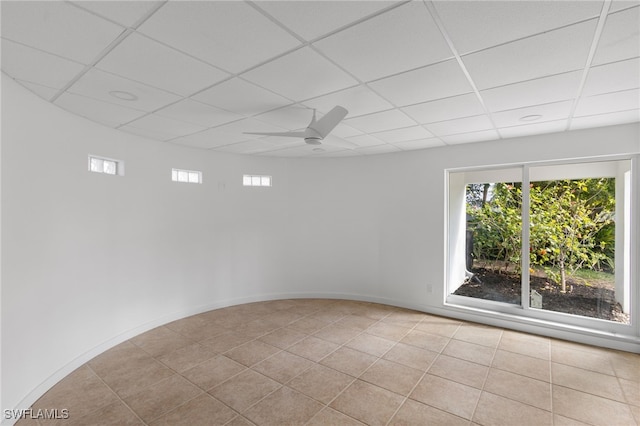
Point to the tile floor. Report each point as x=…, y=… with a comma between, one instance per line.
x=334, y=362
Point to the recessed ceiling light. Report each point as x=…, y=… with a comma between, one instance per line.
x=532, y=117
x=318, y=149
x=125, y=96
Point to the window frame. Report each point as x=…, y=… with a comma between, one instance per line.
x=258, y=179
x=189, y=173
x=118, y=164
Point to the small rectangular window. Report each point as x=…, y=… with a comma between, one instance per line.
x=107, y=166
x=186, y=176
x=256, y=180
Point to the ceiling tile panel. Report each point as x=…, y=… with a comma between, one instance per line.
x=249, y=125
x=547, y=112
x=291, y=117
x=42, y=91
x=398, y=40
x=109, y=114
x=533, y=129
x=228, y=34
x=481, y=136
x=123, y=12
x=52, y=71
x=380, y=149
x=365, y=140
x=401, y=135
x=210, y=138
x=300, y=75
x=338, y=154
x=613, y=77
x=169, y=127
x=609, y=102
x=248, y=147
x=620, y=38
x=344, y=131
x=546, y=54
x=241, y=97
x=194, y=112
x=311, y=20
x=59, y=28
x=99, y=84
x=359, y=100
x=475, y=25
x=380, y=121
x=558, y=87
x=142, y=59
x=424, y=84
x=419, y=144
x=445, y=109
x=610, y=119
x=617, y=5
x=460, y=125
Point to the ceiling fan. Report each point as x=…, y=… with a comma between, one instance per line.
x=317, y=130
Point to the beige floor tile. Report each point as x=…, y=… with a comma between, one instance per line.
x=415, y=413
x=470, y=352
x=162, y=397
x=337, y=333
x=313, y=348
x=252, y=352
x=81, y=392
x=239, y=421
x=439, y=328
x=587, y=381
x=283, y=407
x=411, y=356
x=116, y=414
x=635, y=410
x=244, y=390
x=497, y=410
x=202, y=410
x=160, y=341
x=422, y=340
x=226, y=341
x=321, y=383
x=388, y=331
x=349, y=361
x=309, y=325
x=566, y=421
x=370, y=344
x=283, y=366
x=356, y=322
x=525, y=344
x=598, y=362
x=480, y=335
x=281, y=318
x=405, y=318
x=395, y=377
x=127, y=369
x=196, y=328
x=329, y=416
x=590, y=409
x=283, y=337
x=519, y=388
x=367, y=403
x=213, y=372
x=626, y=365
x=459, y=370
x=256, y=328
x=187, y=357
x=535, y=368
x=631, y=391
x=453, y=397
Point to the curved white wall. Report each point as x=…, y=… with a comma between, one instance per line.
x=89, y=260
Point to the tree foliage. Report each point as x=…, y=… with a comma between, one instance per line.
x=572, y=224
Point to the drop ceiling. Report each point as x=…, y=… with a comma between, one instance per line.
x=413, y=74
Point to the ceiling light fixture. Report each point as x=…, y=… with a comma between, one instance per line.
x=318, y=150
x=125, y=96
x=532, y=117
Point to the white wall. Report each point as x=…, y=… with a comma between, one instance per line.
x=89, y=260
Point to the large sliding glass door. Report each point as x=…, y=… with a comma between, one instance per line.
x=558, y=233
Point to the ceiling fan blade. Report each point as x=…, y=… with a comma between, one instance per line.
x=331, y=119
x=287, y=134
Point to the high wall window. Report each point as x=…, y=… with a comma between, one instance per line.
x=542, y=240
x=256, y=180
x=186, y=176
x=107, y=166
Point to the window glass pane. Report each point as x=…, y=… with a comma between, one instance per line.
x=194, y=177
x=183, y=176
x=97, y=165
x=110, y=167
x=266, y=180
x=255, y=180
x=174, y=175
x=246, y=180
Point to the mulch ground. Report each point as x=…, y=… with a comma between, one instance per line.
x=585, y=300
